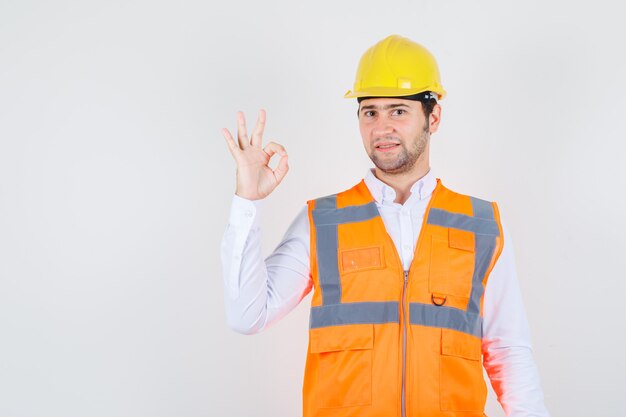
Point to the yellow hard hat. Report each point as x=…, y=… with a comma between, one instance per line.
x=396, y=67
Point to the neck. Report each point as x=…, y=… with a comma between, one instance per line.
x=402, y=182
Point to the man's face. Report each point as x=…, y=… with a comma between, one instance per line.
x=395, y=132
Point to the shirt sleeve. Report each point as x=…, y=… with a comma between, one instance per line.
x=507, y=349
x=258, y=291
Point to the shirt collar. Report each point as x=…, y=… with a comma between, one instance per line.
x=384, y=194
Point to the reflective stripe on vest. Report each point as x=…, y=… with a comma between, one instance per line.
x=326, y=218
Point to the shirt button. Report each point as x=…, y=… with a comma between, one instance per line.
x=248, y=213
x=407, y=247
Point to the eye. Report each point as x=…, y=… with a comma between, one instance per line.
x=398, y=112
x=368, y=113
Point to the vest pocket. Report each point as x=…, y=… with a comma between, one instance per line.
x=452, y=263
x=361, y=259
x=344, y=372
x=462, y=386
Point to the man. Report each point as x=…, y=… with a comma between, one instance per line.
x=414, y=284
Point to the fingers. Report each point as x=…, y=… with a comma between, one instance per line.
x=273, y=148
x=281, y=169
x=257, y=134
x=242, y=133
x=230, y=141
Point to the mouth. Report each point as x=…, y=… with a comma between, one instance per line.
x=386, y=146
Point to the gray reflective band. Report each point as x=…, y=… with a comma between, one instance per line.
x=485, y=229
x=351, y=214
x=446, y=317
x=444, y=218
x=327, y=264
x=326, y=218
x=327, y=261
x=482, y=209
x=328, y=202
x=355, y=313
x=485, y=245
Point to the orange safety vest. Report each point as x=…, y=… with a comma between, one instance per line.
x=386, y=342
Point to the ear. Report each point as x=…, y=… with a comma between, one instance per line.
x=434, y=118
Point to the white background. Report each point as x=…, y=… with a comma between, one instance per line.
x=115, y=186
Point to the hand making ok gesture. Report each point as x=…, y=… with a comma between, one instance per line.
x=255, y=179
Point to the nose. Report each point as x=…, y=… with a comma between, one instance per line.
x=383, y=127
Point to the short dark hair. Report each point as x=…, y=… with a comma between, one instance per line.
x=428, y=105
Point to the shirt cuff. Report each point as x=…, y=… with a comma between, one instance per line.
x=244, y=213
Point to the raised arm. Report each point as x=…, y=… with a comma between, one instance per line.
x=258, y=291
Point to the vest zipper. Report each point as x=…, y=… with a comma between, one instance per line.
x=404, y=289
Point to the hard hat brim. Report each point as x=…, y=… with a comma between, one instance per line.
x=392, y=92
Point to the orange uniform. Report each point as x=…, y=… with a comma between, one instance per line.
x=388, y=342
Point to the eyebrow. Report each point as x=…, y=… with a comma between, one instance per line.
x=387, y=107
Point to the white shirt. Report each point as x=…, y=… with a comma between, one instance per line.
x=259, y=292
